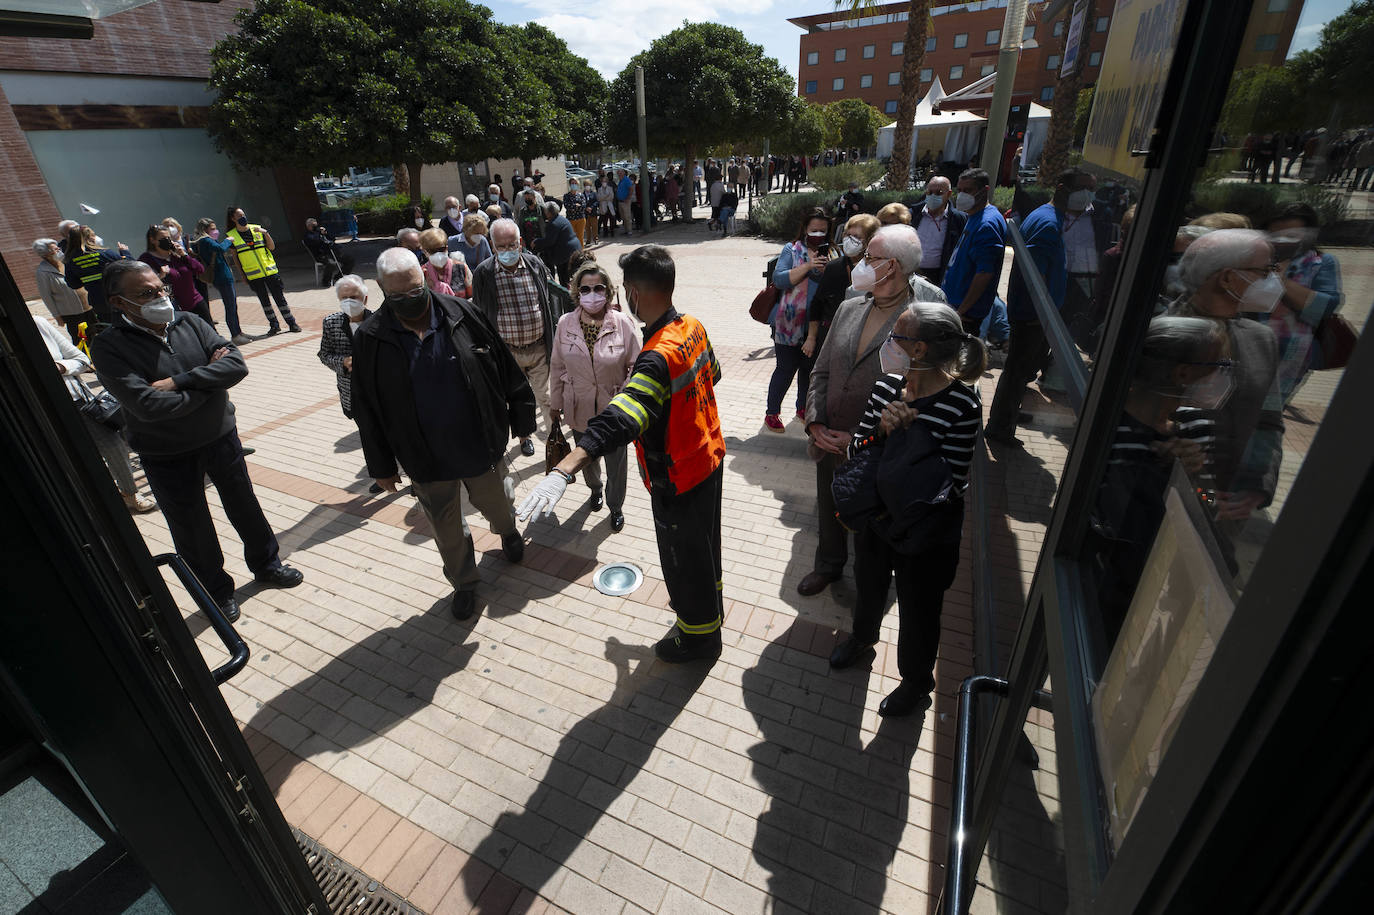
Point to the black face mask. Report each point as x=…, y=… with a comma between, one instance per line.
x=164, y=244
x=409, y=308
x=243, y=221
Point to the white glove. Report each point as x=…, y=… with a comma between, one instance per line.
x=544, y=497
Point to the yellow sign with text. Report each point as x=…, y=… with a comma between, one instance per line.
x=1135, y=65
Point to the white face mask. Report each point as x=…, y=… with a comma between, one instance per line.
x=352, y=307
x=865, y=277
x=453, y=212
x=1208, y=393
x=893, y=359
x=158, y=311
x=438, y=259
x=174, y=232
x=1262, y=295
x=1079, y=200
x=419, y=223
x=851, y=246
x=99, y=242
x=965, y=202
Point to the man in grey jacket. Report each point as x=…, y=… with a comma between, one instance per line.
x=171, y=373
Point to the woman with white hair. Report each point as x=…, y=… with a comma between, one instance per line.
x=64, y=303
x=926, y=400
x=1230, y=272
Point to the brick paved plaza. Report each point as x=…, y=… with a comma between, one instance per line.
x=537, y=758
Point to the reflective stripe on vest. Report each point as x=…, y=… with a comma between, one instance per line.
x=693, y=443
x=254, y=258
x=88, y=266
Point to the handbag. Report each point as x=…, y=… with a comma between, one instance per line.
x=102, y=408
x=1336, y=339
x=556, y=449
x=854, y=487
x=764, y=303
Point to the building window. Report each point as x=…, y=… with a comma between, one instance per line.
x=956, y=71
x=1059, y=28
x=898, y=48
x=869, y=51
x=1103, y=22
x=993, y=36
x=927, y=74
x=1268, y=42
x=866, y=81
x=895, y=77
x=839, y=55
x=1095, y=59
x=890, y=106
x=810, y=87
x=813, y=58
x=1277, y=6
x=1028, y=33
x=1052, y=62
x=1047, y=94
x=987, y=68
x=961, y=40
x=930, y=43
x=837, y=84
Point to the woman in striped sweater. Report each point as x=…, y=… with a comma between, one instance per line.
x=931, y=368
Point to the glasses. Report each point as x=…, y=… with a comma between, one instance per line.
x=599, y=287
x=870, y=258
x=1222, y=365
x=409, y=293
x=148, y=295
x=907, y=339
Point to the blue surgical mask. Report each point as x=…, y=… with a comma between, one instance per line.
x=508, y=258
x=934, y=201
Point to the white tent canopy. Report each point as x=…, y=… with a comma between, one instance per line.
x=962, y=130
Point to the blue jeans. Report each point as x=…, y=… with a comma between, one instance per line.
x=995, y=328
x=790, y=363
x=231, y=306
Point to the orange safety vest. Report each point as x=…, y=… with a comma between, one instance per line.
x=254, y=258
x=693, y=444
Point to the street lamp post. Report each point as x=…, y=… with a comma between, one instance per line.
x=644, y=188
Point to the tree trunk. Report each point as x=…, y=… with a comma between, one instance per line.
x=689, y=161
x=527, y=163
x=1059, y=138
x=413, y=166
x=400, y=179
x=913, y=55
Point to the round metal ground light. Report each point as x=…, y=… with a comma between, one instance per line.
x=616, y=579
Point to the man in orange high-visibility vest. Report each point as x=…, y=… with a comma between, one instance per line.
x=668, y=409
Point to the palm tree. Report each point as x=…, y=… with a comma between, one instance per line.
x=1063, y=111
x=913, y=55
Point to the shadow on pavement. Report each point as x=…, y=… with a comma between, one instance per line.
x=615, y=741
x=838, y=808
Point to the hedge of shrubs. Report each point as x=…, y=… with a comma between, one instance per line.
x=385, y=215
x=778, y=215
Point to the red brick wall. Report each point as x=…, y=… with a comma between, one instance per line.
x=27, y=210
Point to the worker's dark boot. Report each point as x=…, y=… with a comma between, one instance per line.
x=679, y=647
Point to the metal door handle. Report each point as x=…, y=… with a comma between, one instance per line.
x=237, y=648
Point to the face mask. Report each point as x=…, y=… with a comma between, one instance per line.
x=158, y=311
x=472, y=240
x=409, y=308
x=851, y=246
x=452, y=212
x=419, y=223
x=965, y=202
x=593, y=303
x=1262, y=295
x=438, y=259
x=1208, y=393
x=172, y=231
x=242, y=221
x=934, y=202
x=630, y=302
x=893, y=359
x=815, y=239
x=494, y=198
x=508, y=258
x=58, y=255
x=214, y=233
x=864, y=277
x=1079, y=200
x=164, y=244
x=99, y=242
x=352, y=307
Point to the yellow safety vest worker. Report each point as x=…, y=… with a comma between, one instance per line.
x=254, y=258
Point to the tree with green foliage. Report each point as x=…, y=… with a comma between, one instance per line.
x=1263, y=98
x=325, y=84
x=705, y=85
x=1335, y=76
x=852, y=123
x=804, y=132
x=566, y=105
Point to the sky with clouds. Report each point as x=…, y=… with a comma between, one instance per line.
x=609, y=32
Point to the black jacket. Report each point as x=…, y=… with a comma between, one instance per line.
x=128, y=360
x=954, y=227
x=384, y=403
x=484, y=293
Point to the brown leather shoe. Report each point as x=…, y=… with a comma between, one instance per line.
x=814, y=583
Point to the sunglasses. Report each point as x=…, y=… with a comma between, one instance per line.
x=599, y=287
x=148, y=295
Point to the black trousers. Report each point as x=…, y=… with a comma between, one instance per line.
x=921, y=584
x=687, y=526
x=1027, y=354
x=271, y=285
x=178, y=482
x=73, y=324
x=832, y=551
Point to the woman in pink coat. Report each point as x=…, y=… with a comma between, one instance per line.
x=594, y=348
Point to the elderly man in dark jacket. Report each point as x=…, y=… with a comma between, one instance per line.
x=560, y=243
x=512, y=289
x=435, y=390
x=172, y=373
